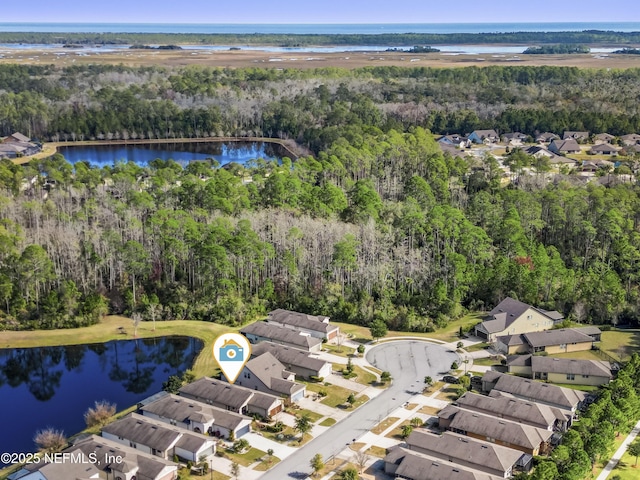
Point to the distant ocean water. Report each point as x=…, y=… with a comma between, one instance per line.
x=374, y=28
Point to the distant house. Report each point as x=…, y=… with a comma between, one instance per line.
x=484, y=136
x=266, y=374
x=507, y=433
x=453, y=151
x=515, y=139
x=300, y=362
x=159, y=439
x=454, y=140
x=234, y=398
x=516, y=410
x=468, y=452
x=511, y=316
x=407, y=464
x=546, y=137
x=262, y=331
x=563, y=340
x=553, y=395
x=197, y=416
x=603, y=138
x=578, y=136
x=561, y=370
x=564, y=146
x=316, y=326
x=630, y=139
x=603, y=149
x=554, y=159
x=17, y=145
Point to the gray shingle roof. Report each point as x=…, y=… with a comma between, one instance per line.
x=573, y=366
x=511, y=340
x=281, y=334
x=221, y=392
x=454, y=446
x=560, y=397
x=138, y=430
x=577, y=135
x=569, y=145
x=301, y=320
x=556, y=337
x=272, y=374
x=289, y=355
x=508, y=311
x=514, y=433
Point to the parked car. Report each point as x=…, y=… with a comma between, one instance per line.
x=450, y=379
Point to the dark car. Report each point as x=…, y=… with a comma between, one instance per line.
x=450, y=379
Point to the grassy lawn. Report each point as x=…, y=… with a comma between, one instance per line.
x=449, y=394
x=433, y=388
x=382, y=426
x=288, y=436
x=582, y=388
x=616, y=342
x=477, y=347
x=327, y=422
x=362, y=376
x=335, y=395
x=485, y=362
x=342, y=351
x=584, y=355
x=109, y=329
x=397, y=431
x=357, y=333
x=626, y=468
x=376, y=451
x=357, y=446
x=411, y=406
x=267, y=464
x=313, y=416
x=246, y=459
x=429, y=410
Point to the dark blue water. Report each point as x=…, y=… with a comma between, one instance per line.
x=222, y=152
x=54, y=386
x=364, y=28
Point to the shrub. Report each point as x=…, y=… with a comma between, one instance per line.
x=454, y=366
x=50, y=440
x=100, y=414
x=314, y=378
x=322, y=393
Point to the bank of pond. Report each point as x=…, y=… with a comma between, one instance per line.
x=54, y=386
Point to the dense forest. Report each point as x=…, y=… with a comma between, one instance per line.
x=377, y=223
x=297, y=40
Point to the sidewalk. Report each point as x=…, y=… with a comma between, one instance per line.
x=619, y=453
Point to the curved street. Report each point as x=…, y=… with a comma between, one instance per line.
x=408, y=361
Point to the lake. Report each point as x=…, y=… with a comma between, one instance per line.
x=183, y=153
x=54, y=386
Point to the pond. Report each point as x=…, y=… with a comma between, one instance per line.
x=183, y=153
x=54, y=386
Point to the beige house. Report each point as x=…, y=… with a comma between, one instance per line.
x=511, y=317
x=317, y=326
x=264, y=332
x=266, y=374
x=563, y=340
x=561, y=370
x=303, y=364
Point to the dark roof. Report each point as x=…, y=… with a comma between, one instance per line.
x=289, y=355
x=546, y=137
x=460, y=447
x=183, y=409
x=281, y=334
x=20, y=137
x=589, y=330
x=139, y=430
x=220, y=392
x=510, y=340
x=519, y=360
x=603, y=148
x=501, y=429
x=575, y=135
x=301, y=320
x=594, y=368
x=485, y=133
x=569, y=145
x=556, y=337
x=418, y=466
x=560, y=397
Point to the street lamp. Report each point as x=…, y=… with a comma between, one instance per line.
x=211, y=467
x=466, y=360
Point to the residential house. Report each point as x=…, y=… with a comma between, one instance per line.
x=266, y=374
x=603, y=138
x=17, y=145
x=554, y=159
x=300, y=362
x=231, y=397
x=468, y=452
x=262, y=331
x=630, y=150
x=546, y=137
x=526, y=438
x=630, y=139
x=561, y=370
x=516, y=410
x=315, y=326
x=562, y=340
x=402, y=463
x=603, y=149
x=511, y=316
x=453, y=151
x=454, y=140
x=158, y=438
x=484, y=136
x=578, y=136
x=196, y=416
x=553, y=395
x=515, y=139
x=563, y=147
x=81, y=469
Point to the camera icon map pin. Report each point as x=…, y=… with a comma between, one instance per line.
x=232, y=351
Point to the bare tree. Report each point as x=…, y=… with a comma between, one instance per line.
x=50, y=440
x=361, y=458
x=99, y=414
x=137, y=318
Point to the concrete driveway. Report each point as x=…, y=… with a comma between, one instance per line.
x=408, y=361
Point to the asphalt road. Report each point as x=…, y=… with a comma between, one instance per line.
x=408, y=361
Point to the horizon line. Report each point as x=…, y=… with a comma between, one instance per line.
x=312, y=23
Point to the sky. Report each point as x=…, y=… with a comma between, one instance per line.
x=319, y=11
